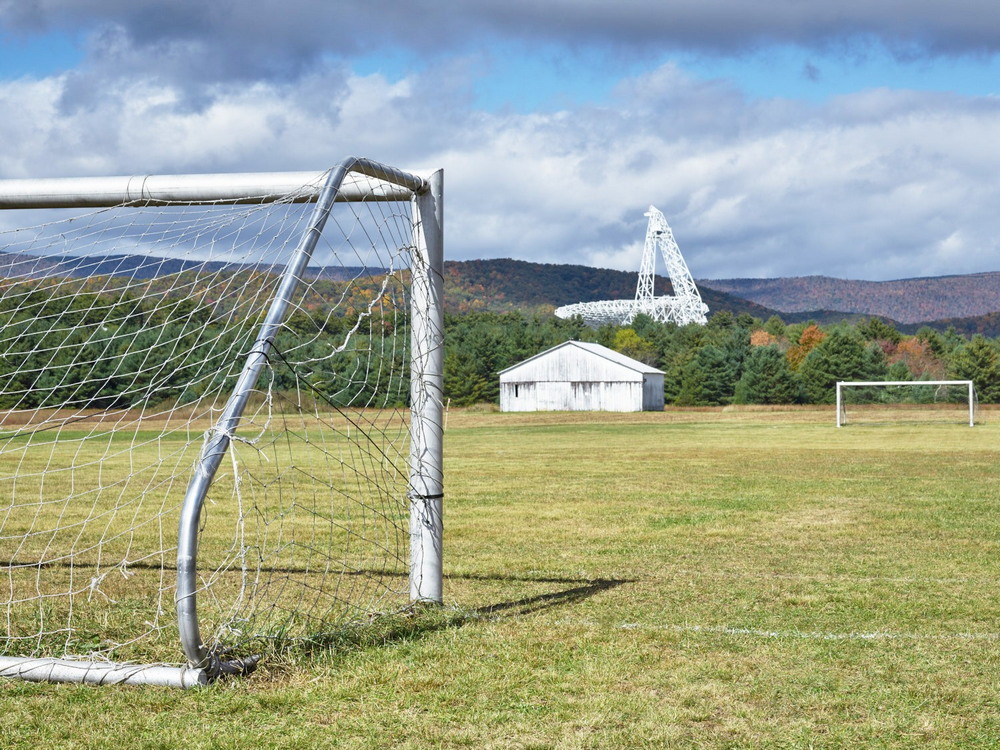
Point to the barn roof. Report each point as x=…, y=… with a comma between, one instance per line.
x=595, y=350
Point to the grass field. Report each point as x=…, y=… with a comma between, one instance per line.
x=688, y=578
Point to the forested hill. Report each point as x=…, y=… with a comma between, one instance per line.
x=504, y=284
x=470, y=286
x=905, y=300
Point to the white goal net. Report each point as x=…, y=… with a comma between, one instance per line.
x=951, y=401
x=205, y=425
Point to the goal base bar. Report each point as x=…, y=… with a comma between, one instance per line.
x=100, y=673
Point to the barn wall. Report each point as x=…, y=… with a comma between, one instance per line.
x=652, y=392
x=574, y=396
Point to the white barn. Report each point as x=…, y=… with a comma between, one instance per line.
x=578, y=376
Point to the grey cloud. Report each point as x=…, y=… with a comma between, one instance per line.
x=200, y=48
x=282, y=38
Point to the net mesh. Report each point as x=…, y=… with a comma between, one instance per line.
x=122, y=334
x=913, y=402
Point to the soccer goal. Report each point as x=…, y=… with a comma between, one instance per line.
x=906, y=400
x=220, y=417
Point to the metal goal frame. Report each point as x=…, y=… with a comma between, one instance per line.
x=427, y=355
x=867, y=383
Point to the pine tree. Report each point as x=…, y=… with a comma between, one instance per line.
x=840, y=356
x=767, y=379
x=876, y=329
x=979, y=362
x=710, y=377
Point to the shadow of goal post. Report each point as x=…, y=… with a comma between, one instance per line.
x=842, y=384
x=425, y=493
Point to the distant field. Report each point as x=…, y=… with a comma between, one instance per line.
x=718, y=578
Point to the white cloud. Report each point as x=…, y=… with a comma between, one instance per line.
x=871, y=185
x=789, y=191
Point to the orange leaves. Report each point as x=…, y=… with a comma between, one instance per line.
x=919, y=358
x=760, y=337
x=809, y=340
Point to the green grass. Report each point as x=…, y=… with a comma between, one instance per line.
x=691, y=578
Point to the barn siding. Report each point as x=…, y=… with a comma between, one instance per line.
x=652, y=392
x=572, y=396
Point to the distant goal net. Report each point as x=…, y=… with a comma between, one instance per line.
x=952, y=401
x=220, y=414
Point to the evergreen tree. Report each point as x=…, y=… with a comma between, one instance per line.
x=645, y=326
x=704, y=379
x=464, y=383
x=775, y=326
x=874, y=365
x=839, y=356
x=710, y=377
x=979, y=362
x=898, y=371
x=876, y=329
x=934, y=340
x=678, y=349
x=767, y=379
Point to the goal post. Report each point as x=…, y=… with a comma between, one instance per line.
x=427, y=398
x=935, y=388
x=278, y=356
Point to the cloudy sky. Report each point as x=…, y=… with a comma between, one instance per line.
x=858, y=139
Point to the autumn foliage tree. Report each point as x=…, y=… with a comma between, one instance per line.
x=811, y=337
x=919, y=359
x=760, y=337
x=631, y=344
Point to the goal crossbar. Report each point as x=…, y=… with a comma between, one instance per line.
x=201, y=189
x=426, y=352
x=968, y=384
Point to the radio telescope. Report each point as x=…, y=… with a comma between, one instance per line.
x=683, y=307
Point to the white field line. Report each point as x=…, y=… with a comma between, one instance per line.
x=878, y=635
x=817, y=577
x=809, y=635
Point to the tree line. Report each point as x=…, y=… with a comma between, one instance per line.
x=734, y=359
x=64, y=346
x=61, y=347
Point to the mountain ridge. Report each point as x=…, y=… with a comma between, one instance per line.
x=910, y=300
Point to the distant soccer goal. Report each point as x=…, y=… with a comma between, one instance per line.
x=904, y=400
x=220, y=417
